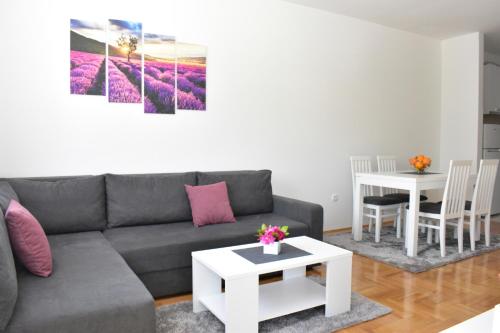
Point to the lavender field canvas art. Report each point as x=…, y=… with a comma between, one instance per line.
x=159, y=74
x=87, y=58
x=191, y=76
x=124, y=62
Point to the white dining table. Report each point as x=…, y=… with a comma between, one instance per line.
x=404, y=180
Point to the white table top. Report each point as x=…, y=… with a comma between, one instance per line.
x=406, y=181
x=405, y=176
x=229, y=265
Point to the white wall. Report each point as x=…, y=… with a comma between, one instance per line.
x=461, y=98
x=290, y=88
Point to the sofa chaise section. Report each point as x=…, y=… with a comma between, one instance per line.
x=91, y=290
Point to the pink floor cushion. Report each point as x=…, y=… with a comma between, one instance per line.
x=210, y=204
x=29, y=242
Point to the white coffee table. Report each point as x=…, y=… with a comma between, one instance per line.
x=244, y=303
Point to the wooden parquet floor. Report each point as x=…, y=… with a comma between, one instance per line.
x=426, y=302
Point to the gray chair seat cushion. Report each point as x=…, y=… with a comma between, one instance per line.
x=435, y=207
x=404, y=197
x=91, y=290
x=161, y=247
x=381, y=201
x=429, y=207
x=63, y=205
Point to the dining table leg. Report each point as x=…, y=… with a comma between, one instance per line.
x=412, y=222
x=357, y=218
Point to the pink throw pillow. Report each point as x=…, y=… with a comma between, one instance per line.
x=210, y=204
x=28, y=239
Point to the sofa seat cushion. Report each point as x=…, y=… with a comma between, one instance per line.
x=250, y=192
x=64, y=205
x=168, y=246
x=90, y=290
x=148, y=199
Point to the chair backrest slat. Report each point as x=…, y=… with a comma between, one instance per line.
x=386, y=164
x=455, y=190
x=485, y=185
x=360, y=164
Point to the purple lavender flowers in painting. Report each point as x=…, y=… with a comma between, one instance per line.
x=87, y=58
x=161, y=94
x=124, y=61
x=149, y=107
x=121, y=90
x=159, y=73
x=86, y=75
x=191, y=93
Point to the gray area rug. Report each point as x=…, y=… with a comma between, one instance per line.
x=179, y=318
x=391, y=250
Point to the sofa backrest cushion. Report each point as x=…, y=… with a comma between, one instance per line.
x=250, y=192
x=7, y=194
x=148, y=199
x=8, y=277
x=65, y=205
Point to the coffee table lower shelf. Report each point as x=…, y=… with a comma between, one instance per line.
x=276, y=299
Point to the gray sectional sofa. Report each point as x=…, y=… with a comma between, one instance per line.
x=119, y=240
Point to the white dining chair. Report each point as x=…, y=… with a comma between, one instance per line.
x=378, y=207
x=437, y=215
x=387, y=163
x=481, y=202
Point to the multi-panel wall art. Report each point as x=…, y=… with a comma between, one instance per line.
x=156, y=70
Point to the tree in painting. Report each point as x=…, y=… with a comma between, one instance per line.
x=128, y=43
x=124, y=61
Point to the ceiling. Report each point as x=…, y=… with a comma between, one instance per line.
x=435, y=18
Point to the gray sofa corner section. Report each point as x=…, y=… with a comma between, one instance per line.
x=91, y=290
x=302, y=211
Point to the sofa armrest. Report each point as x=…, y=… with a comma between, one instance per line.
x=302, y=211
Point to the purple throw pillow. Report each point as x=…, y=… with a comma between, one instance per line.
x=210, y=204
x=29, y=242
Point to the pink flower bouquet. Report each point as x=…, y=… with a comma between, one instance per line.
x=270, y=237
x=270, y=234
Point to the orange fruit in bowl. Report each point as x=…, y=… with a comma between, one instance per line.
x=419, y=165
